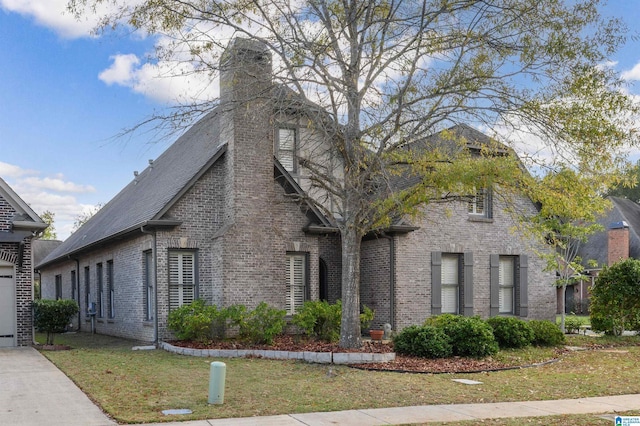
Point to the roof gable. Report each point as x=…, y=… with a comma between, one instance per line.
x=25, y=217
x=153, y=191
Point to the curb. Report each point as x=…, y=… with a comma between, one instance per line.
x=314, y=357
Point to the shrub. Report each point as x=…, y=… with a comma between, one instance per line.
x=262, y=324
x=546, y=333
x=471, y=336
x=423, y=341
x=572, y=323
x=511, y=332
x=321, y=320
x=615, y=298
x=199, y=322
x=442, y=320
x=53, y=316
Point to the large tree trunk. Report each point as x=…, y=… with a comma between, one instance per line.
x=350, y=326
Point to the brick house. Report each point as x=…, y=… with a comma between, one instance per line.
x=19, y=224
x=618, y=240
x=219, y=216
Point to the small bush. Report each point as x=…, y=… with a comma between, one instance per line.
x=423, y=341
x=53, y=316
x=193, y=321
x=546, y=333
x=511, y=332
x=442, y=320
x=319, y=319
x=200, y=322
x=572, y=323
x=262, y=324
x=471, y=336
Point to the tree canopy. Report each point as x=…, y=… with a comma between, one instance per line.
x=390, y=73
x=50, y=233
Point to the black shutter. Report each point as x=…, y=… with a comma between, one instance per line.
x=523, y=278
x=436, y=283
x=468, y=284
x=494, y=307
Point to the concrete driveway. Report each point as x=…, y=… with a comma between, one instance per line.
x=34, y=392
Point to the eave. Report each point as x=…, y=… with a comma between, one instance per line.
x=139, y=228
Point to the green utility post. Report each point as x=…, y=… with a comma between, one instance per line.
x=217, y=378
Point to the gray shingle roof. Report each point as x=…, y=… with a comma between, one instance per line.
x=153, y=191
x=622, y=210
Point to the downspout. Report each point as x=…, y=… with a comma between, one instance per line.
x=78, y=291
x=392, y=279
x=155, y=282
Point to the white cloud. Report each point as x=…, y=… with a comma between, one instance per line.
x=632, y=74
x=50, y=193
x=165, y=82
x=122, y=71
x=51, y=14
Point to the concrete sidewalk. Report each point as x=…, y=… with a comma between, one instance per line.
x=34, y=392
x=435, y=413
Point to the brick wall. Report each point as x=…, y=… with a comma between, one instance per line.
x=23, y=276
x=449, y=229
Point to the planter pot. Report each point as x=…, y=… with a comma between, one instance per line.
x=376, y=334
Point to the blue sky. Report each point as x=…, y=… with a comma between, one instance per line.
x=65, y=95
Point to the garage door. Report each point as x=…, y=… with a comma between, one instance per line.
x=7, y=307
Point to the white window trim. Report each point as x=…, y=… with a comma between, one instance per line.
x=296, y=282
x=181, y=286
x=450, y=283
x=506, y=278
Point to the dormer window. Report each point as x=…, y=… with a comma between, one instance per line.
x=480, y=204
x=286, y=143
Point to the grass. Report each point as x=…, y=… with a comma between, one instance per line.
x=135, y=386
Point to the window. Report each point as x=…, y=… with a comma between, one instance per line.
x=506, y=282
x=480, y=204
x=148, y=285
x=509, y=285
x=73, y=287
x=450, y=283
x=182, y=278
x=87, y=288
x=100, y=301
x=296, y=282
x=111, y=290
x=58, y=287
x=286, y=148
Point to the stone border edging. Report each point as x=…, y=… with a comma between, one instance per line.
x=316, y=357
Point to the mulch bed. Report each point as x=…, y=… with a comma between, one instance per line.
x=402, y=363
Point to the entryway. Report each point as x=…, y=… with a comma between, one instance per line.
x=7, y=307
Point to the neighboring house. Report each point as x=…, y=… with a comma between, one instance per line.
x=41, y=249
x=19, y=224
x=619, y=240
x=219, y=216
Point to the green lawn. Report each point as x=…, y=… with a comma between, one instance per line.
x=135, y=386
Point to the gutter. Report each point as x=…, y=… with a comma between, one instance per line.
x=78, y=291
x=132, y=229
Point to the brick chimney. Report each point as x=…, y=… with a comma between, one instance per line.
x=246, y=126
x=617, y=242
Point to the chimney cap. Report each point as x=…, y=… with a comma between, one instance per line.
x=619, y=225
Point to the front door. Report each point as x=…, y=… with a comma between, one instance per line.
x=7, y=307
